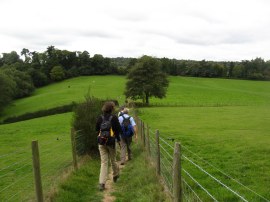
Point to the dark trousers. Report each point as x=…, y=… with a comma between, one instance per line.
x=125, y=146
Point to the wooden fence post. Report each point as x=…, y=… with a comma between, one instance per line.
x=141, y=130
x=177, y=187
x=73, y=147
x=37, y=174
x=139, y=127
x=148, y=142
x=143, y=135
x=158, y=152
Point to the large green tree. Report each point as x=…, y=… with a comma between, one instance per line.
x=57, y=73
x=146, y=80
x=7, y=90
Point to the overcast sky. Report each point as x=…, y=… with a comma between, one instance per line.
x=217, y=30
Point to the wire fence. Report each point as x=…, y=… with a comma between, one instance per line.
x=197, y=182
x=17, y=169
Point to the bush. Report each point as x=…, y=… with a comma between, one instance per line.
x=84, y=123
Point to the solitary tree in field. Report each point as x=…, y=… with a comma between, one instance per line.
x=146, y=80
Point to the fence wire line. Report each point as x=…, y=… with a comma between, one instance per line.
x=29, y=164
x=225, y=174
x=43, y=143
x=169, y=155
x=228, y=188
x=167, y=180
x=163, y=158
x=166, y=143
x=63, y=165
x=15, y=182
x=12, y=153
x=166, y=167
x=50, y=148
x=191, y=189
x=16, y=163
x=30, y=184
x=48, y=166
x=200, y=185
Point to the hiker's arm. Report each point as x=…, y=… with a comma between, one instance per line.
x=134, y=127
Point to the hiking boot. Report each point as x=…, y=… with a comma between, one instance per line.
x=122, y=163
x=101, y=187
x=115, y=178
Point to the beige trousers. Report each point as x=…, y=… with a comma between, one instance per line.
x=107, y=153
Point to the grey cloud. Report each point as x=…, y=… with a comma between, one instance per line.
x=204, y=38
x=97, y=34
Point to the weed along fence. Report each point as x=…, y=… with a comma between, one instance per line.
x=184, y=174
x=31, y=174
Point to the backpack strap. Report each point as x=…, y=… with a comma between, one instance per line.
x=125, y=117
x=110, y=118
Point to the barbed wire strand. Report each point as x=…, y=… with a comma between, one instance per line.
x=228, y=188
x=49, y=168
x=169, y=155
x=200, y=185
x=15, y=170
x=63, y=165
x=14, y=152
x=191, y=189
x=167, y=180
x=225, y=174
x=166, y=143
x=42, y=144
x=166, y=168
x=162, y=158
x=30, y=184
x=15, y=182
x=50, y=148
x=18, y=162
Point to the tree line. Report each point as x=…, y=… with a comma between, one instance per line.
x=21, y=74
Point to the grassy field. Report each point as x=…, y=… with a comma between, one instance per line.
x=188, y=91
x=223, y=121
x=67, y=91
x=233, y=139
x=16, y=174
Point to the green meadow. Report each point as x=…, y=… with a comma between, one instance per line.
x=16, y=172
x=67, y=91
x=224, y=122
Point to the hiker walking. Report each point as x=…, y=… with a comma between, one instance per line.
x=129, y=129
x=108, y=129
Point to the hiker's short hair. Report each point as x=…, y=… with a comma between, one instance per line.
x=108, y=107
x=122, y=108
x=126, y=110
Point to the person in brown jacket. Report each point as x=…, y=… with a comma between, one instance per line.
x=107, y=148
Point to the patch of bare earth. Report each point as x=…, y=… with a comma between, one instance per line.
x=109, y=187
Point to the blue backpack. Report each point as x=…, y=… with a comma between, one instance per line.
x=127, y=128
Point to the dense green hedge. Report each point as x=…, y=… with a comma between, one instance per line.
x=41, y=113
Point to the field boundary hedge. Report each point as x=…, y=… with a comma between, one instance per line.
x=41, y=113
